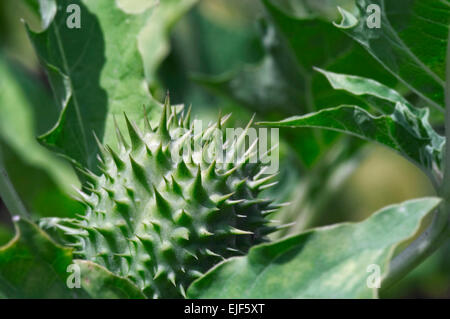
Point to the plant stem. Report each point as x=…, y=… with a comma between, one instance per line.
x=8, y=193
x=439, y=230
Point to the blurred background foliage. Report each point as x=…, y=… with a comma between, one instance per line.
x=239, y=56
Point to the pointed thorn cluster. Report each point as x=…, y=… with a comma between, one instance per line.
x=163, y=223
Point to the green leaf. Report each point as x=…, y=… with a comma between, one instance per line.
x=400, y=126
x=402, y=131
x=96, y=72
x=411, y=42
x=154, y=39
x=364, y=87
x=384, y=99
x=328, y=262
x=34, y=266
x=19, y=112
x=37, y=175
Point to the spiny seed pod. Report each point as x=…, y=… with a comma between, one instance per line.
x=163, y=222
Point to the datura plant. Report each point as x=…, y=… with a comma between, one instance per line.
x=163, y=222
x=167, y=210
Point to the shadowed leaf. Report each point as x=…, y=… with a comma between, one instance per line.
x=34, y=266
